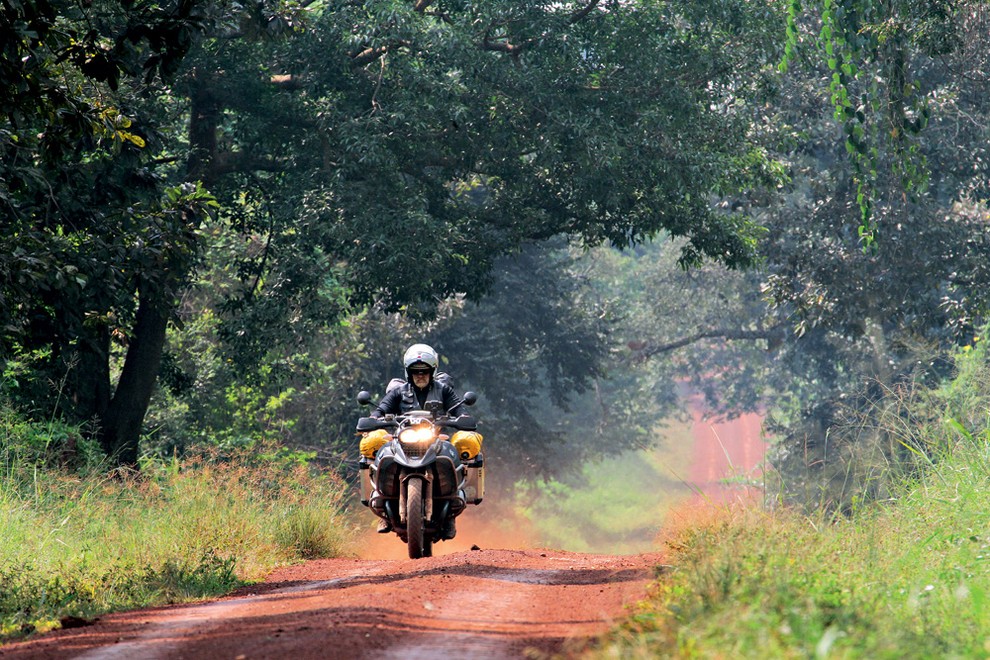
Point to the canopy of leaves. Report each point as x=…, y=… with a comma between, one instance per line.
x=387, y=153
x=86, y=218
x=392, y=150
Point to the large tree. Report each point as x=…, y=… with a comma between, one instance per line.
x=96, y=241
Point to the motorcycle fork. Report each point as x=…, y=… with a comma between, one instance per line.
x=427, y=478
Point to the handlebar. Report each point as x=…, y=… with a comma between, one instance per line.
x=461, y=422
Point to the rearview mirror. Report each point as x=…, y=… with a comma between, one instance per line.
x=470, y=398
x=364, y=397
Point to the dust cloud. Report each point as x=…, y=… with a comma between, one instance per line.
x=618, y=506
x=488, y=525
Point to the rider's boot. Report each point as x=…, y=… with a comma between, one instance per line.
x=449, y=530
x=384, y=526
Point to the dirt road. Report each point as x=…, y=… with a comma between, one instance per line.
x=476, y=603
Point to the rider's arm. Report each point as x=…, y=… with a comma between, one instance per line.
x=451, y=402
x=390, y=404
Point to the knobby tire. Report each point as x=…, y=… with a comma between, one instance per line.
x=415, y=533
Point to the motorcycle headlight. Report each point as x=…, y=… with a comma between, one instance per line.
x=416, y=435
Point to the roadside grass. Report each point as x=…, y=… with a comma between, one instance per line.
x=86, y=542
x=908, y=577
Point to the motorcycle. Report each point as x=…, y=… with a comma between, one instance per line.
x=418, y=481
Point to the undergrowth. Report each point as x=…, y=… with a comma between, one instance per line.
x=79, y=542
x=905, y=577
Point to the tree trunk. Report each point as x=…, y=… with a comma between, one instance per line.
x=90, y=377
x=122, y=423
x=205, y=111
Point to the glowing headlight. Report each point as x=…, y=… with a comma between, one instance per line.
x=416, y=435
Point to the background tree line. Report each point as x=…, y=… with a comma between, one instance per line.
x=224, y=219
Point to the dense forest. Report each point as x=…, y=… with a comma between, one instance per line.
x=222, y=220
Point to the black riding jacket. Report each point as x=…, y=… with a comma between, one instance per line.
x=407, y=397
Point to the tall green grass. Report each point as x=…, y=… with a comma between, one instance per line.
x=910, y=581
x=78, y=543
x=905, y=577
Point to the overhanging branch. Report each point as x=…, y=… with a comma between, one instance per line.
x=489, y=42
x=501, y=44
x=582, y=13
x=773, y=335
x=371, y=54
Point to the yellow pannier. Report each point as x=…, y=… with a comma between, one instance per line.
x=467, y=444
x=373, y=441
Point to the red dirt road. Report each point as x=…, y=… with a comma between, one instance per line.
x=480, y=604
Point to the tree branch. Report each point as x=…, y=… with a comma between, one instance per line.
x=288, y=82
x=582, y=13
x=371, y=54
x=501, y=45
x=774, y=335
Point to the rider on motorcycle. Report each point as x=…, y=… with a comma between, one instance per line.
x=420, y=362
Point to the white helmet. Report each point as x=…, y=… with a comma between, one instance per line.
x=420, y=353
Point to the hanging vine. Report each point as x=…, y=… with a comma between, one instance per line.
x=867, y=45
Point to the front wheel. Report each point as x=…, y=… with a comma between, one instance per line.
x=415, y=533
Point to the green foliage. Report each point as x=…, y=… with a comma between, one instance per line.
x=964, y=397
x=310, y=533
x=355, y=155
x=880, y=58
x=35, y=600
x=858, y=448
x=454, y=140
x=536, y=349
x=84, y=543
x=74, y=137
x=830, y=328
x=553, y=410
x=867, y=323
x=305, y=400
x=50, y=445
x=702, y=329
